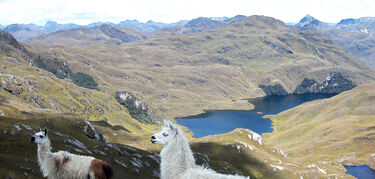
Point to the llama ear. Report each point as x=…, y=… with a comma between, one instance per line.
x=166, y=123
x=40, y=129
x=169, y=124
x=45, y=132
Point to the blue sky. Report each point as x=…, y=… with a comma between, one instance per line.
x=87, y=11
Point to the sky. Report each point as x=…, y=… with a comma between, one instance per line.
x=83, y=12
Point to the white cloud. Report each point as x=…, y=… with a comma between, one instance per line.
x=87, y=11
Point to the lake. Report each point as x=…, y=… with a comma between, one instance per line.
x=223, y=121
x=361, y=172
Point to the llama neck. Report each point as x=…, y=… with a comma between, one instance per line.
x=176, y=157
x=43, y=150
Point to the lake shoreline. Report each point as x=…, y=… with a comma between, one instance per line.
x=256, y=119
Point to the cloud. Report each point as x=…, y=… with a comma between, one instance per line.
x=88, y=11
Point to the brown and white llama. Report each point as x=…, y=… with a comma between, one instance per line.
x=64, y=165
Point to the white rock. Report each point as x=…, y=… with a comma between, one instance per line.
x=247, y=145
x=277, y=167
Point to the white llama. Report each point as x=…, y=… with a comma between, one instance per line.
x=64, y=165
x=177, y=160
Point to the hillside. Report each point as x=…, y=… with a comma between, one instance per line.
x=329, y=133
x=106, y=34
x=355, y=35
x=188, y=73
x=30, y=89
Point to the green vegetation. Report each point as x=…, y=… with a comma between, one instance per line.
x=84, y=80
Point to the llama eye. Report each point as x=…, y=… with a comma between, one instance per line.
x=41, y=136
x=165, y=134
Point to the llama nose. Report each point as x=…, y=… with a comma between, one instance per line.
x=153, y=137
x=32, y=139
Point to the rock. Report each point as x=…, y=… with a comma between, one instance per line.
x=91, y=132
x=11, y=84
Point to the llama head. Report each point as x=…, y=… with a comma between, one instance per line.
x=166, y=134
x=40, y=137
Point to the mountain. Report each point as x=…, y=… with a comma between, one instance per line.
x=52, y=26
x=23, y=32
x=1, y=27
x=188, y=73
x=202, y=24
x=308, y=21
x=364, y=25
x=332, y=133
x=150, y=26
x=96, y=25
x=355, y=35
x=84, y=36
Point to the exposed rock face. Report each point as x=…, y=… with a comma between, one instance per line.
x=11, y=84
x=335, y=83
x=91, y=132
x=137, y=108
x=276, y=89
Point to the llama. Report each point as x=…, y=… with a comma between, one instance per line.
x=64, y=165
x=177, y=160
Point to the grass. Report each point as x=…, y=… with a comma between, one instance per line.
x=328, y=130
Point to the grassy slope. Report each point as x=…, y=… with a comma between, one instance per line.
x=44, y=93
x=329, y=132
x=185, y=74
x=359, y=44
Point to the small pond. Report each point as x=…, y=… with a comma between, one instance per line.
x=361, y=172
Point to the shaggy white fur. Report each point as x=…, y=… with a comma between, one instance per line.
x=177, y=160
x=62, y=164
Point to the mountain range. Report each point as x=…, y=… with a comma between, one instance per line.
x=24, y=32
x=356, y=35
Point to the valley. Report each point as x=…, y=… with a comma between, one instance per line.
x=121, y=82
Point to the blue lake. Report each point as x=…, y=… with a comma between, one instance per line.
x=219, y=122
x=361, y=172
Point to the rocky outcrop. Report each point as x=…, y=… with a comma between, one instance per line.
x=91, y=132
x=11, y=84
x=137, y=108
x=276, y=89
x=334, y=83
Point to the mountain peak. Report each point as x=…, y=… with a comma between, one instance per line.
x=51, y=23
x=308, y=21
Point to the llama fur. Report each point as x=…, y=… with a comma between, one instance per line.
x=177, y=160
x=65, y=165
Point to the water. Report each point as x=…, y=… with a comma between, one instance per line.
x=361, y=172
x=219, y=122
